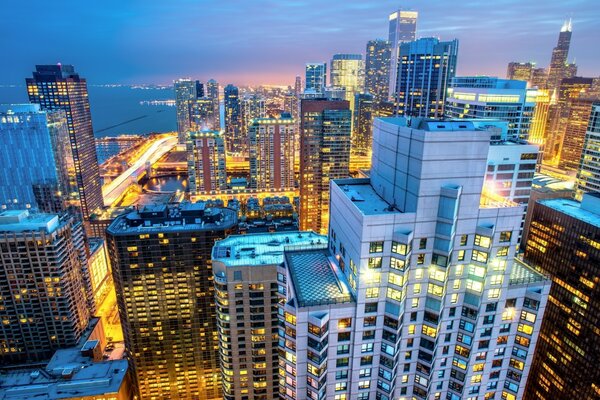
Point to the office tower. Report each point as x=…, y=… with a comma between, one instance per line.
x=252, y=106
x=212, y=92
x=316, y=77
x=564, y=242
x=162, y=270
x=364, y=112
x=588, y=175
x=377, y=69
x=36, y=154
x=272, y=152
x=245, y=278
x=186, y=93
x=42, y=298
x=424, y=72
x=539, y=121
x=569, y=90
x=539, y=78
x=324, y=155
x=520, y=71
x=418, y=294
x=402, y=28
x=348, y=72
x=206, y=161
x=298, y=85
x=580, y=111
x=59, y=87
x=203, y=114
x=558, y=68
x=490, y=97
x=233, y=128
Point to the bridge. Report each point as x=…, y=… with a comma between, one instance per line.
x=113, y=190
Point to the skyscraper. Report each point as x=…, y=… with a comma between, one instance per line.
x=324, y=155
x=206, y=161
x=588, y=175
x=425, y=69
x=558, y=68
x=272, y=152
x=316, y=77
x=42, y=298
x=348, y=72
x=377, y=69
x=490, y=97
x=233, y=127
x=402, y=28
x=36, y=154
x=418, y=294
x=186, y=93
x=363, y=114
x=252, y=106
x=212, y=92
x=520, y=71
x=564, y=242
x=203, y=114
x=539, y=78
x=580, y=111
x=163, y=278
x=59, y=87
x=245, y=277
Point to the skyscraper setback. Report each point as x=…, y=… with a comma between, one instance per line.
x=59, y=87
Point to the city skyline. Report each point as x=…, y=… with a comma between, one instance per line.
x=131, y=44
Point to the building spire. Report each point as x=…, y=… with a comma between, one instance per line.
x=567, y=26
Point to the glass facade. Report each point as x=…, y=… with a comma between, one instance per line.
x=377, y=69
x=316, y=77
x=588, y=175
x=233, y=122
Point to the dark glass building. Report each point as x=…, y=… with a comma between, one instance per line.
x=377, y=69
x=59, y=87
x=233, y=119
x=161, y=260
x=564, y=242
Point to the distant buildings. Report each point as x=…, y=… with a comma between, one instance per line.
x=520, y=71
x=252, y=106
x=233, y=122
x=161, y=259
x=59, y=87
x=316, y=78
x=212, y=92
x=365, y=109
x=348, y=72
x=402, y=28
x=588, y=175
x=559, y=67
x=491, y=97
x=577, y=123
x=206, y=161
x=186, y=93
x=564, y=242
x=43, y=300
x=203, y=114
x=36, y=158
x=418, y=293
x=425, y=69
x=324, y=155
x=272, y=152
x=246, y=286
x=377, y=69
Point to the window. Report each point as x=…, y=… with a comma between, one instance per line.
x=421, y=259
x=367, y=335
x=400, y=248
x=526, y=329
x=344, y=323
x=372, y=293
x=527, y=316
x=343, y=336
x=364, y=384
x=364, y=373
x=460, y=255
x=479, y=256
x=370, y=307
x=397, y=263
x=343, y=349
x=531, y=303
x=483, y=241
x=366, y=348
x=394, y=294
x=366, y=360
x=370, y=321
x=502, y=251
x=464, y=239
x=342, y=362
x=374, y=262
x=505, y=236
x=339, y=374
x=422, y=243
x=395, y=279
x=375, y=247
x=341, y=386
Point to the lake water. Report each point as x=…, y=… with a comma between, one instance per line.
x=117, y=110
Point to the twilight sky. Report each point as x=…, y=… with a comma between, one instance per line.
x=269, y=41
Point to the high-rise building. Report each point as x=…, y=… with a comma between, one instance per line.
x=348, y=72
x=36, y=155
x=316, y=78
x=212, y=92
x=421, y=84
x=272, y=152
x=186, y=93
x=161, y=259
x=246, y=287
x=377, y=69
x=324, y=155
x=298, y=85
x=520, y=71
x=564, y=243
x=490, y=97
x=43, y=303
x=363, y=114
x=206, y=161
x=559, y=67
x=59, y=87
x=588, y=175
x=252, y=106
x=402, y=28
x=418, y=294
x=539, y=121
x=580, y=111
x=203, y=114
x=539, y=78
x=233, y=121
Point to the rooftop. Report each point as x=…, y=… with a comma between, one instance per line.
x=316, y=278
x=542, y=181
x=262, y=248
x=521, y=274
x=22, y=220
x=587, y=211
x=364, y=197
